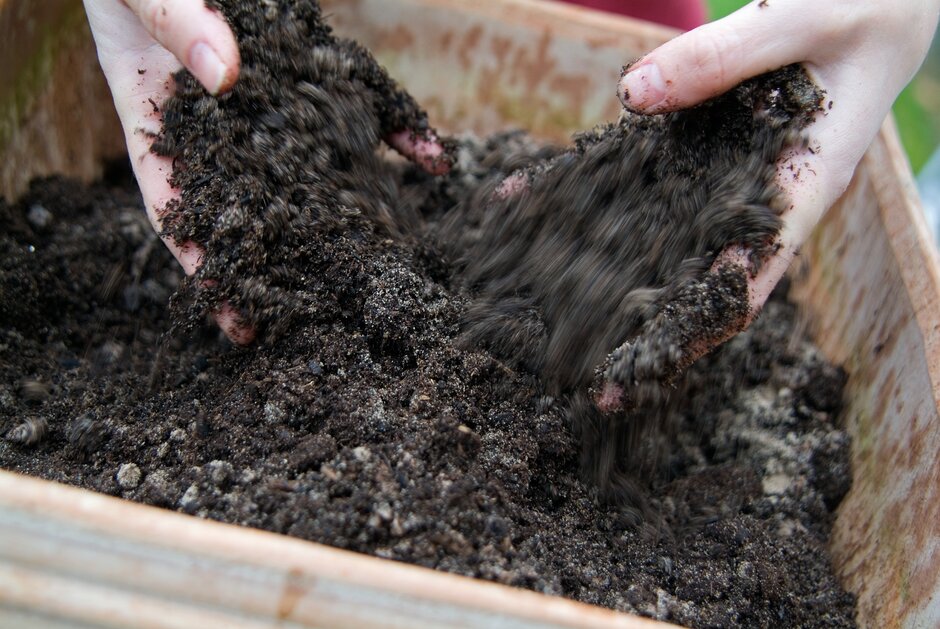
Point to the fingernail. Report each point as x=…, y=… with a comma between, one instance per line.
x=207, y=67
x=643, y=87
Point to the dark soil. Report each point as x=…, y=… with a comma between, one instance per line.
x=370, y=416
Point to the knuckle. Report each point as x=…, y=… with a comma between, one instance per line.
x=845, y=21
x=709, y=56
x=156, y=16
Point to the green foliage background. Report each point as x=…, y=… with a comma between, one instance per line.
x=917, y=109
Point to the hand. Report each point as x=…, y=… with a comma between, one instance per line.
x=861, y=53
x=141, y=43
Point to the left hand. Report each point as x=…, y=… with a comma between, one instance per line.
x=141, y=43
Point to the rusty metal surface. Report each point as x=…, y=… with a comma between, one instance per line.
x=870, y=291
x=56, y=114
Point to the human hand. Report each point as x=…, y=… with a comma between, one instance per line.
x=861, y=54
x=141, y=43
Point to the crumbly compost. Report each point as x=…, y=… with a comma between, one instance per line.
x=625, y=222
x=444, y=457
x=596, y=275
x=363, y=419
x=280, y=178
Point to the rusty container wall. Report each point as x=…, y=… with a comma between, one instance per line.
x=55, y=111
x=867, y=281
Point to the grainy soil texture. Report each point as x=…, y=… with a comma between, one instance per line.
x=412, y=392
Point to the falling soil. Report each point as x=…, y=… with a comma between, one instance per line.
x=376, y=412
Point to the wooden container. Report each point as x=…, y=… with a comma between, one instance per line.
x=867, y=281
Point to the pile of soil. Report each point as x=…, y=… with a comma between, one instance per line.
x=363, y=419
x=453, y=462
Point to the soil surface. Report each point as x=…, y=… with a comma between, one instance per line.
x=374, y=413
x=446, y=458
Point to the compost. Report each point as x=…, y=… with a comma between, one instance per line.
x=410, y=395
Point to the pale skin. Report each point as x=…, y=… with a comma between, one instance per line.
x=862, y=53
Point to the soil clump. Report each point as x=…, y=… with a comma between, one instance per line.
x=363, y=419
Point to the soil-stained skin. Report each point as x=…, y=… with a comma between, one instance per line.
x=606, y=235
x=413, y=401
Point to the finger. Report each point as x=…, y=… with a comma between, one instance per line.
x=138, y=73
x=512, y=185
x=230, y=321
x=702, y=315
x=199, y=37
x=426, y=150
x=713, y=58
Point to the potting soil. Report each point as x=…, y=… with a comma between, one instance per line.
x=376, y=412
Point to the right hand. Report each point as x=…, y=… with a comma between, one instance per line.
x=861, y=53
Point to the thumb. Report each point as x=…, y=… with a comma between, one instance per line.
x=713, y=58
x=199, y=37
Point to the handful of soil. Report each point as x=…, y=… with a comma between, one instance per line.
x=280, y=179
x=607, y=235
